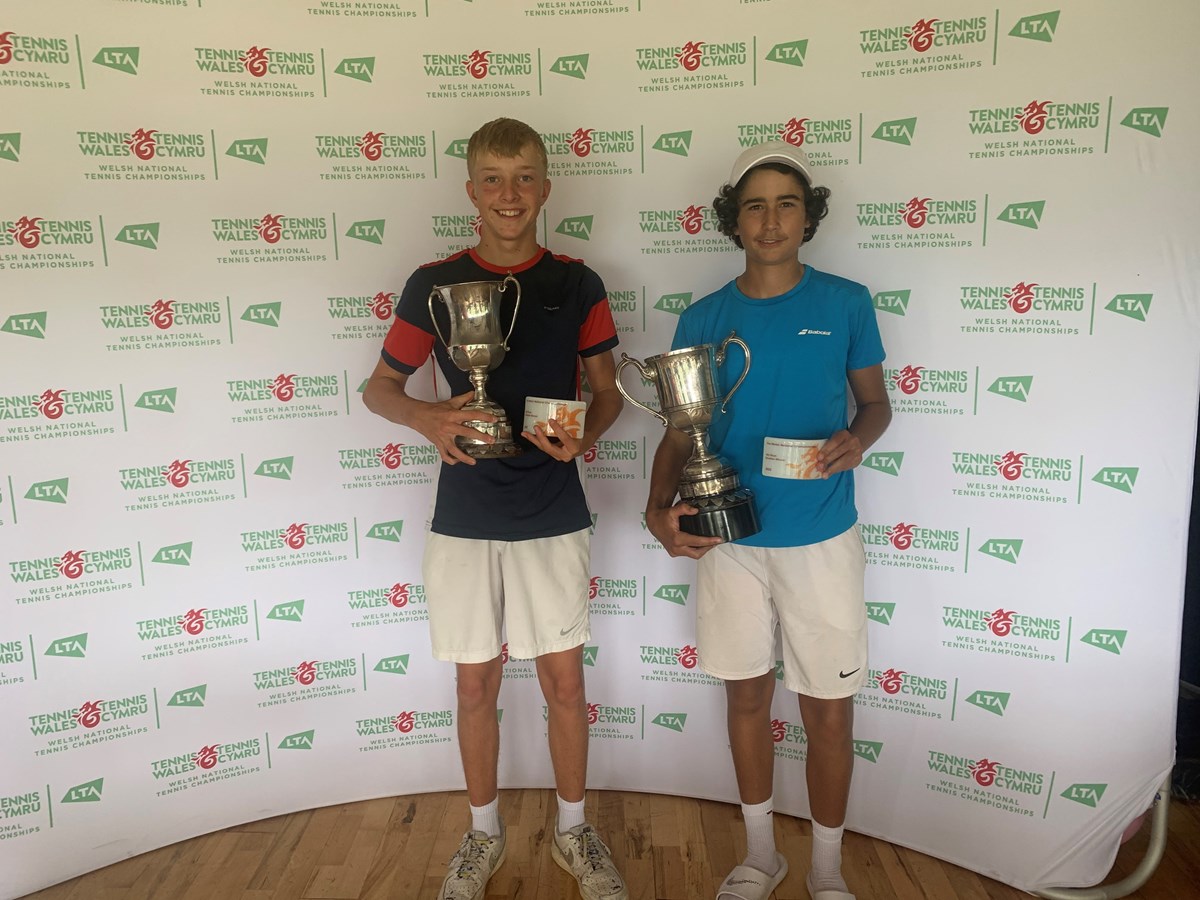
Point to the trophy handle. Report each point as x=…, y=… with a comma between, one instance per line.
x=627, y=360
x=516, y=306
x=433, y=318
x=733, y=339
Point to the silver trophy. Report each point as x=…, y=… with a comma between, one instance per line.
x=476, y=347
x=687, y=394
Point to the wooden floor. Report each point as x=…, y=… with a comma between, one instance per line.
x=669, y=848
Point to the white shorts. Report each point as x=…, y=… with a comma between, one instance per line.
x=814, y=593
x=535, y=590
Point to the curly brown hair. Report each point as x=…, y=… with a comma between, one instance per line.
x=726, y=203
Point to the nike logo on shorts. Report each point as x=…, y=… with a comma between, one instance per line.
x=848, y=674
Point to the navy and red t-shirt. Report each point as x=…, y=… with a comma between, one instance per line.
x=563, y=315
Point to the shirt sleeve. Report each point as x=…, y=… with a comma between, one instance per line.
x=410, y=339
x=598, y=331
x=866, y=346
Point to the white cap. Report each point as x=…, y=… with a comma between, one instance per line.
x=770, y=152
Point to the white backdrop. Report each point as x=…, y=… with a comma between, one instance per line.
x=212, y=609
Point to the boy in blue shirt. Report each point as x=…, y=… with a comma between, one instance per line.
x=810, y=336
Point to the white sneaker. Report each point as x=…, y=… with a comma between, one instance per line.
x=478, y=856
x=580, y=851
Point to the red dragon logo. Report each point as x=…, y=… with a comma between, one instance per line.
x=589, y=455
x=891, y=681
x=920, y=36
x=398, y=595
x=689, y=56
x=908, y=379
x=1011, y=465
x=392, y=455
x=270, y=229
x=51, y=403
x=581, y=142
x=1020, y=297
x=916, y=212
x=687, y=656
x=193, y=621
x=593, y=713
x=984, y=772
x=6, y=47
x=370, y=145
x=178, y=473
x=1000, y=621
x=70, y=564
x=477, y=63
x=1033, y=116
x=901, y=535
x=594, y=587
x=306, y=672
x=778, y=730
x=27, y=231
x=383, y=305
x=284, y=387
x=142, y=143
x=206, y=757
x=255, y=61
x=793, y=132
x=404, y=722
x=504, y=654
x=295, y=537
x=477, y=225
x=162, y=314
x=690, y=219
x=88, y=715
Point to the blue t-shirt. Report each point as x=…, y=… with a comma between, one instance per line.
x=801, y=346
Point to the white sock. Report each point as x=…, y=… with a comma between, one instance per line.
x=760, y=836
x=827, y=858
x=569, y=814
x=486, y=818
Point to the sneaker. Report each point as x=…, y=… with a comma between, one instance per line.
x=580, y=851
x=478, y=856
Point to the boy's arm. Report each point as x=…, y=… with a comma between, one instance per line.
x=662, y=512
x=440, y=423
x=844, y=450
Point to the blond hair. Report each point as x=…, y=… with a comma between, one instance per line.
x=505, y=138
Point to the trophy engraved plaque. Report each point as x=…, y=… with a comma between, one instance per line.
x=477, y=345
x=686, y=383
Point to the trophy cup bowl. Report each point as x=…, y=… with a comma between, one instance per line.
x=477, y=345
x=686, y=383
